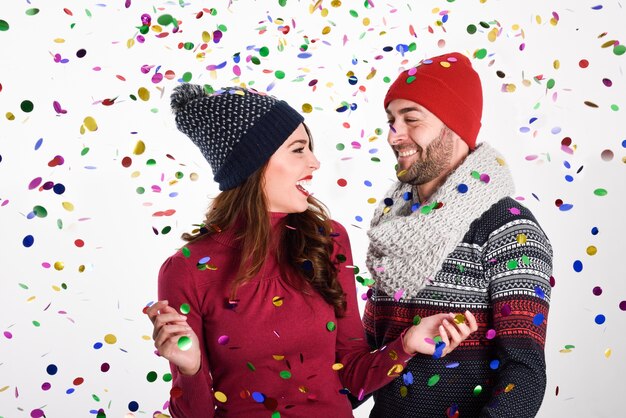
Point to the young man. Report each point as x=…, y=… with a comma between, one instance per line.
x=448, y=238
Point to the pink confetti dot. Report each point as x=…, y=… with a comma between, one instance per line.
x=8, y=335
x=514, y=211
x=490, y=334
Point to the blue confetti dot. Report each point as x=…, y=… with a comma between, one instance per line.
x=565, y=207
x=569, y=178
x=462, y=188
x=600, y=319
x=407, y=196
x=59, y=188
x=97, y=346
x=539, y=292
x=578, y=266
x=28, y=241
x=624, y=143
x=567, y=164
x=204, y=260
x=38, y=144
x=304, y=55
x=415, y=206
x=538, y=319
x=258, y=396
x=133, y=406
x=594, y=230
x=70, y=391
x=407, y=378
x=344, y=391
x=494, y=364
x=237, y=58
x=358, y=218
x=388, y=201
x=368, y=183
x=444, y=19
x=52, y=369
x=173, y=194
x=390, y=48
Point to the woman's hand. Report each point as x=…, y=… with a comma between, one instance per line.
x=453, y=330
x=169, y=327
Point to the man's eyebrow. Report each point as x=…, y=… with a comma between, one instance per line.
x=406, y=110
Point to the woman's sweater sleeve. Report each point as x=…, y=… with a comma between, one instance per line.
x=363, y=371
x=191, y=396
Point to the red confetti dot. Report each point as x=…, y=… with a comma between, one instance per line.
x=583, y=63
x=79, y=243
x=78, y=381
x=127, y=161
x=567, y=141
x=68, y=12
x=176, y=392
x=104, y=367
x=346, y=125
x=342, y=182
x=558, y=203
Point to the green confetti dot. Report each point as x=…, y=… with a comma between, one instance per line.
x=341, y=258
x=471, y=29
x=353, y=13
x=511, y=264
x=32, y=12
x=188, y=46
x=251, y=366
x=477, y=390
x=60, y=223
x=140, y=190
x=378, y=131
x=282, y=3
x=386, y=79
x=187, y=77
x=165, y=19
x=23, y=286
x=600, y=192
x=417, y=319
x=255, y=60
x=279, y=74
x=166, y=230
x=330, y=325
x=40, y=211
x=222, y=27
x=186, y=252
x=375, y=159
x=525, y=260
x=484, y=25
x=151, y=376
x=27, y=106
x=614, y=107
x=151, y=161
x=432, y=381
x=184, y=343
x=36, y=323
x=264, y=51
x=275, y=414
x=410, y=79
x=617, y=49
x=340, y=147
x=551, y=83
x=167, y=377
x=285, y=374
x=84, y=151
x=481, y=53
x=185, y=308
x=425, y=210
x=4, y=25
x=95, y=398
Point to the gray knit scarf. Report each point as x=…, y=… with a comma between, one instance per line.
x=407, y=248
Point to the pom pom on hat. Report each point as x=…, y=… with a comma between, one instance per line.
x=236, y=129
x=448, y=87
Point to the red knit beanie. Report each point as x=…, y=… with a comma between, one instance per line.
x=449, y=88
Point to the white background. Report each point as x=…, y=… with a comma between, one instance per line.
x=56, y=316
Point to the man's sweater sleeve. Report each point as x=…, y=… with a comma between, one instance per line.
x=191, y=396
x=518, y=266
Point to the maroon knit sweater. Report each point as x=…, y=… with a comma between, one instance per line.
x=266, y=357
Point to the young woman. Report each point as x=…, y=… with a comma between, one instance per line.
x=257, y=312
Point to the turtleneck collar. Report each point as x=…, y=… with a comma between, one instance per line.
x=229, y=238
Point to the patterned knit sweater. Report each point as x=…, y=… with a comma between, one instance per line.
x=499, y=270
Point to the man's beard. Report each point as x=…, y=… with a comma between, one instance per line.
x=433, y=160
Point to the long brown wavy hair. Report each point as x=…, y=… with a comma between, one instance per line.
x=304, y=249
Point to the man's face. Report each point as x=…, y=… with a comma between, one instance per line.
x=422, y=143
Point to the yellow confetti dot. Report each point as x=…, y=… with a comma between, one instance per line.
x=556, y=64
x=501, y=161
x=326, y=30
x=30, y=299
x=10, y=116
x=515, y=26
x=404, y=391
x=371, y=200
x=58, y=40
x=67, y=206
x=135, y=174
x=303, y=389
x=521, y=239
x=510, y=88
x=591, y=250
x=607, y=352
x=307, y=108
x=395, y=370
x=366, y=21
x=146, y=337
x=393, y=355
x=492, y=35
x=553, y=21
x=206, y=36
x=445, y=64
x=371, y=74
x=324, y=12
x=565, y=350
x=509, y=387
x=337, y=366
x=140, y=147
x=335, y=3
x=156, y=28
x=387, y=209
x=90, y=123
x=459, y=318
x=278, y=301
x=56, y=288
x=130, y=43
x=144, y=94
x=538, y=19
x=110, y=339
x=278, y=357
x=81, y=268
x=59, y=265
x=220, y=396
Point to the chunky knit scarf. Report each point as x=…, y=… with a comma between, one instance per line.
x=408, y=244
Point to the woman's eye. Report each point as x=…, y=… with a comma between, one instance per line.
x=299, y=150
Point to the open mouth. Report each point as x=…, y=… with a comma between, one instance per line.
x=300, y=185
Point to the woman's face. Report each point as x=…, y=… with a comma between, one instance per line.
x=288, y=172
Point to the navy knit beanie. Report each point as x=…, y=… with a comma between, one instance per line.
x=236, y=129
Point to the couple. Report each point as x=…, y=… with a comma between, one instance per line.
x=258, y=315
